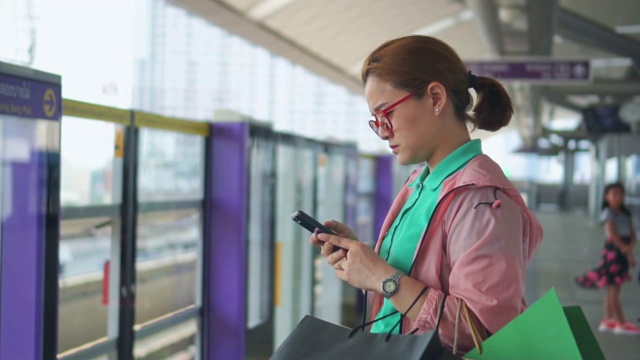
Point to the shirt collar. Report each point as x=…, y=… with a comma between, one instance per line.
x=450, y=164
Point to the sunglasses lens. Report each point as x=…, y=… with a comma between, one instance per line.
x=384, y=122
x=373, y=125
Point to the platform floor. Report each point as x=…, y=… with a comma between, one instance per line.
x=571, y=246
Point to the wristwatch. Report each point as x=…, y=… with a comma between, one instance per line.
x=391, y=284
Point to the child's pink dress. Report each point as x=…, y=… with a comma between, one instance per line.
x=614, y=266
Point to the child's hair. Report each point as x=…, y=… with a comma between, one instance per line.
x=609, y=187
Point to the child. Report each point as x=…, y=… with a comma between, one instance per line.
x=617, y=258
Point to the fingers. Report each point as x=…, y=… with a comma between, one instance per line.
x=341, y=229
x=313, y=239
x=336, y=226
x=340, y=264
x=337, y=240
x=327, y=249
x=337, y=259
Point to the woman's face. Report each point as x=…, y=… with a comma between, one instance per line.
x=615, y=197
x=413, y=138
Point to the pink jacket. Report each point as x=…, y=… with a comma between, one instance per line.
x=474, y=249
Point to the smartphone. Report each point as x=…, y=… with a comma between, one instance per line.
x=306, y=221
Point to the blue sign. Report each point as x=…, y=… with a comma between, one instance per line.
x=533, y=70
x=30, y=98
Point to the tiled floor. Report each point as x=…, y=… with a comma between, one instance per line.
x=571, y=246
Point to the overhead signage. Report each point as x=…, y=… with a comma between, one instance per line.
x=29, y=98
x=532, y=70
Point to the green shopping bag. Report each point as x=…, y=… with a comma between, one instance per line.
x=546, y=330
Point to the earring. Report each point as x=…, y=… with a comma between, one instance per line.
x=437, y=109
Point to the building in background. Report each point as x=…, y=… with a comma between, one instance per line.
x=188, y=68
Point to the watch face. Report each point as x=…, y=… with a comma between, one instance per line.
x=389, y=286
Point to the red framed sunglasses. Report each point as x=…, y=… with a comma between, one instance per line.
x=381, y=118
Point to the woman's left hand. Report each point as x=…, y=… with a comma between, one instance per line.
x=361, y=267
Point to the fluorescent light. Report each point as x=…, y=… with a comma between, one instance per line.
x=609, y=62
x=266, y=8
x=628, y=29
x=446, y=23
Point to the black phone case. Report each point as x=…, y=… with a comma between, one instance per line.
x=306, y=221
x=309, y=223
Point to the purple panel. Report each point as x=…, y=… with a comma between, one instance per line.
x=22, y=246
x=384, y=190
x=225, y=277
x=29, y=98
x=545, y=70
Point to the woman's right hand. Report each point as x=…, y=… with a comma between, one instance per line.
x=327, y=249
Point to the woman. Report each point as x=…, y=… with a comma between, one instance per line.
x=458, y=226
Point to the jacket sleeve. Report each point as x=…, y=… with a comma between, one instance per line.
x=486, y=251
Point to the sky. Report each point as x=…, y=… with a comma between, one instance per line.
x=81, y=42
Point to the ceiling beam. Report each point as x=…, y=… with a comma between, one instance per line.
x=541, y=25
x=584, y=31
x=446, y=23
x=541, y=19
x=231, y=20
x=266, y=8
x=486, y=12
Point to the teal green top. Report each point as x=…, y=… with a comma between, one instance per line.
x=399, y=245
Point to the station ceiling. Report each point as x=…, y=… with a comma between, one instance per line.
x=333, y=37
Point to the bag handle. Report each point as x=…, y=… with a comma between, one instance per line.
x=364, y=325
x=402, y=316
x=472, y=328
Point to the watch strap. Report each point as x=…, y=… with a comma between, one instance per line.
x=395, y=277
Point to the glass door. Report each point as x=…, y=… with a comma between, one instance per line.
x=89, y=251
x=168, y=236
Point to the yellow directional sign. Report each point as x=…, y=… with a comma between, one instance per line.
x=49, y=102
